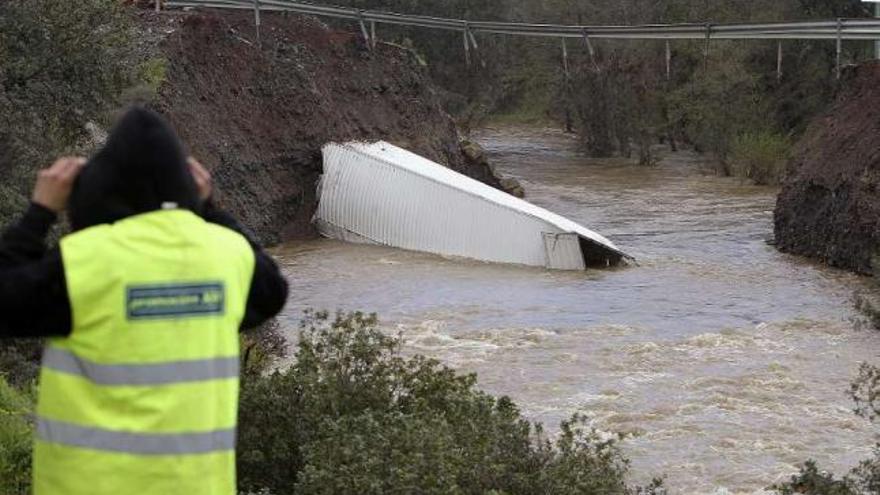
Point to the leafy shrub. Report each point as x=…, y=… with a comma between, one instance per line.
x=866, y=477
x=865, y=391
x=351, y=415
x=20, y=361
x=64, y=64
x=61, y=66
x=153, y=72
x=16, y=432
x=262, y=348
x=868, y=307
x=711, y=102
x=811, y=481
x=867, y=301
x=760, y=156
x=862, y=480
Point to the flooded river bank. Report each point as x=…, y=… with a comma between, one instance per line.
x=728, y=361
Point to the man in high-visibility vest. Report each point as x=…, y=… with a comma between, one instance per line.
x=142, y=305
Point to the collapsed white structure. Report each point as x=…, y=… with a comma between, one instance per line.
x=381, y=194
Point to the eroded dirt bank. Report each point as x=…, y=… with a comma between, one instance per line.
x=259, y=115
x=829, y=207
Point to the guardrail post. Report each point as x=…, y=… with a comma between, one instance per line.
x=467, y=45
x=708, y=42
x=373, y=34
x=668, y=61
x=569, y=125
x=779, y=61
x=257, y=22
x=590, y=49
x=839, y=46
x=364, y=31
x=158, y=6
x=877, y=41
x=476, y=48
x=565, y=59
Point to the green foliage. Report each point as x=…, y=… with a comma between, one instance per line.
x=262, y=349
x=760, y=156
x=811, y=481
x=61, y=63
x=868, y=303
x=617, y=102
x=60, y=67
x=720, y=104
x=866, y=476
x=16, y=433
x=378, y=453
x=153, y=73
x=865, y=391
x=352, y=415
x=19, y=364
x=20, y=361
x=862, y=480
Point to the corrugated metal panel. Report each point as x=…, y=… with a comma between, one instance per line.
x=382, y=194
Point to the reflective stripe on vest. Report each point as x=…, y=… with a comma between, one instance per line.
x=135, y=443
x=140, y=374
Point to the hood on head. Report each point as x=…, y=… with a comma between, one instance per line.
x=141, y=167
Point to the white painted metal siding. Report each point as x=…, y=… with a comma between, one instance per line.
x=564, y=252
x=382, y=194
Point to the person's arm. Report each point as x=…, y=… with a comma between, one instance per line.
x=33, y=291
x=268, y=292
x=33, y=299
x=25, y=240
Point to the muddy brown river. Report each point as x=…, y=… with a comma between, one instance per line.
x=727, y=361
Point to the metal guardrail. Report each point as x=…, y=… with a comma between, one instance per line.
x=838, y=29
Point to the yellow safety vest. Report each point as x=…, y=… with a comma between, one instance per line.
x=142, y=397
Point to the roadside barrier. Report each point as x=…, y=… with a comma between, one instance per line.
x=836, y=29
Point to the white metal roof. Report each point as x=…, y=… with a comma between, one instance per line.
x=422, y=166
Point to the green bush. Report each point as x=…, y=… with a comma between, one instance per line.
x=20, y=361
x=760, y=156
x=811, y=481
x=262, y=348
x=16, y=431
x=868, y=303
x=153, y=72
x=862, y=480
x=61, y=66
x=352, y=415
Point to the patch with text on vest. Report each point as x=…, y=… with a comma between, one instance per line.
x=160, y=301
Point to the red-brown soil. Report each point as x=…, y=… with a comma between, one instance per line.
x=829, y=207
x=258, y=116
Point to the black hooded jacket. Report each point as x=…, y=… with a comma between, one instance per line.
x=141, y=168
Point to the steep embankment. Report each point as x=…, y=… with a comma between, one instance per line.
x=829, y=207
x=258, y=116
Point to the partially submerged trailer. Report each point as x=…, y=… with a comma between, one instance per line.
x=377, y=193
